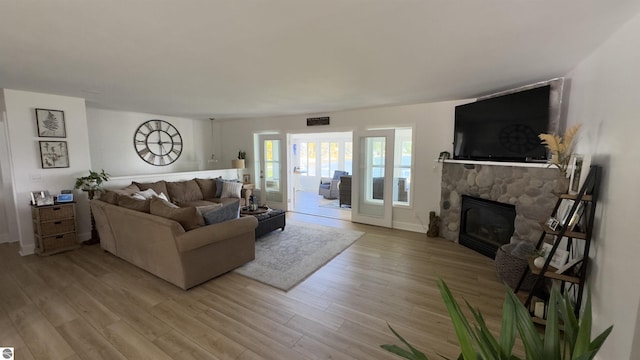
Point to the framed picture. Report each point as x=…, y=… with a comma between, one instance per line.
x=553, y=223
x=246, y=179
x=54, y=154
x=559, y=258
x=51, y=123
x=579, y=170
x=38, y=194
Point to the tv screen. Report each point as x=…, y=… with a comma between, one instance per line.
x=503, y=128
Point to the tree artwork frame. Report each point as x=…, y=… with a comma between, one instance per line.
x=51, y=123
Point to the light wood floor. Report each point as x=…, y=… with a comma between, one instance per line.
x=88, y=304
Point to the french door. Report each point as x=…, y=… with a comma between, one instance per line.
x=273, y=182
x=372, y=196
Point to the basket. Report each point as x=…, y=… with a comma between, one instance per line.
x=509, y=267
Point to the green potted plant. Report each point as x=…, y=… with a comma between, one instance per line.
x=477, y=342
x=93, y=181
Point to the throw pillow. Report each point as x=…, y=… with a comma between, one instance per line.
x=231, y=190
x=145, y=194
x=134, y=204
x=219, y=182
x=158, y=186
x=138, y=196
x=131, y=189
x=206, y=208
x=226, y=212
x=188, y=217
x=163, y=197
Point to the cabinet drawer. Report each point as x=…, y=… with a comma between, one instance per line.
x=52, y=243
x=55, y=212
x=57, y=227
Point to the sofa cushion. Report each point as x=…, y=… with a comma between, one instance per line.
x=188, y=217
x=226, y=212
x=231, y=190
x=208, y=187
x=181, y=192
x=134, y=204
x=110, y=197
x=158, y=187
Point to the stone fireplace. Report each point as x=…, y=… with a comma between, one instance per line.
x=529, y=188
x=485, y=225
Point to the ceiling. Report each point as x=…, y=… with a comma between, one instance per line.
x=252, y=58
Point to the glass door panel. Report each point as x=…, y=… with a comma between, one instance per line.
x=272, y=182
x=373, y=177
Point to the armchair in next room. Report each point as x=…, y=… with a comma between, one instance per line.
x=329, y=186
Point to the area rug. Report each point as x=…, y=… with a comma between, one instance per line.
x=285, y=258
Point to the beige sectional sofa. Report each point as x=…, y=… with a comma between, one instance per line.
x=169, y=238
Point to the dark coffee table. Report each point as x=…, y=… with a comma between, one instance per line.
x=268, y=220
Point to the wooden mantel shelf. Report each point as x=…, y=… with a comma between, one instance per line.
x=499, y=163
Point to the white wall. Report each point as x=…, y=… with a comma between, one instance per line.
x=24, y=157
x=433, y=133
x=604, y=98
x=111, y=137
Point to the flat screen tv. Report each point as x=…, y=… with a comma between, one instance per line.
x=503, y=128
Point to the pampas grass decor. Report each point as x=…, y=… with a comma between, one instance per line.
x=560, y=147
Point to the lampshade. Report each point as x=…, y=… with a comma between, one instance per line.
x=237, y=164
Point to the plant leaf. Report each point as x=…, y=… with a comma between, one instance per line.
x=417, y=354
x=508, y=329
x=464, y=333
x=599, y=340
x=583, y=338
x=395, y=349
x=551, y=331
x=533, y=345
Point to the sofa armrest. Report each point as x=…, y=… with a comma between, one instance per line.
x=325, y=180
x=209, y=234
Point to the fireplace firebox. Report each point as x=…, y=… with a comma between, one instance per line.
x=485, y=225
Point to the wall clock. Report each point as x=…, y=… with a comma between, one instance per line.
x=158, y=142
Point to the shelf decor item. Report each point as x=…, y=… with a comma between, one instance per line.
x=51, y=123
x=54, y=154
x=560, y=148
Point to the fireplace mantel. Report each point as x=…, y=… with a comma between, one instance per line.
x=500, y=163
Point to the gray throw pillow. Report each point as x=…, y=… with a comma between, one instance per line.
x=226, y=212
x=219, y=182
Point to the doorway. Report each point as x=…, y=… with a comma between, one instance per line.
x=315, y=159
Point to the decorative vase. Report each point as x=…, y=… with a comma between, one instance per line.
x=539, y=262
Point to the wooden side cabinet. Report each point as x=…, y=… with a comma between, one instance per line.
x=54, y=228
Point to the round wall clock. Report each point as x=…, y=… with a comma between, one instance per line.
x=158, y=142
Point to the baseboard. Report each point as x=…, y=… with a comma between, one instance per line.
x=408, y=226
x=27, y=250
